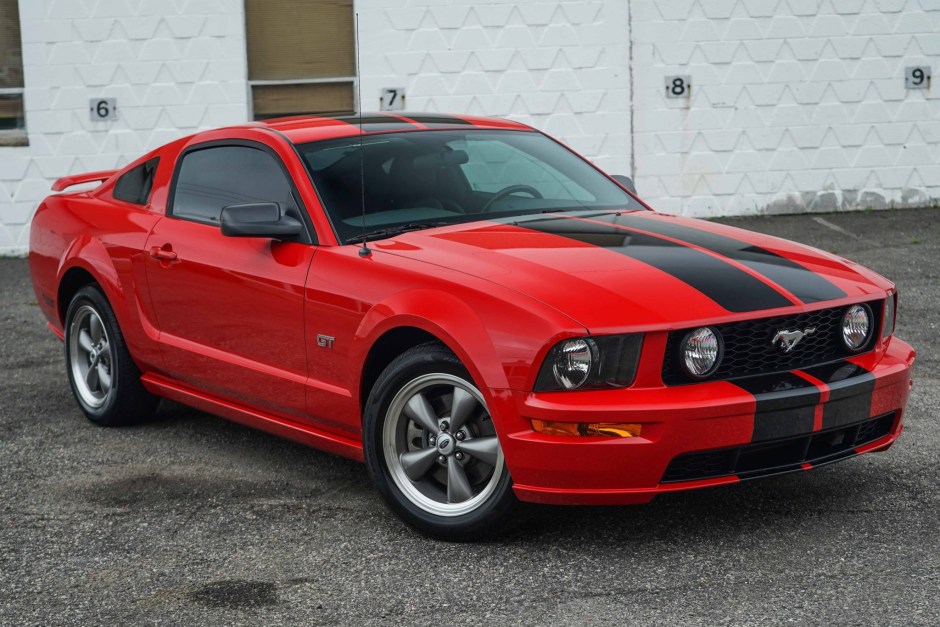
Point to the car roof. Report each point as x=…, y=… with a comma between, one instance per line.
x=308, y=128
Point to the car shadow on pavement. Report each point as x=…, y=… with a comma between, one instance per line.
x=777, y=505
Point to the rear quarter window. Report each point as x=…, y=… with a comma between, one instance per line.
x=135, y=185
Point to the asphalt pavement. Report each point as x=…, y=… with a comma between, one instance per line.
x=191, y=520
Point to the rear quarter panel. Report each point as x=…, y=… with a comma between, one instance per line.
x=106, y=239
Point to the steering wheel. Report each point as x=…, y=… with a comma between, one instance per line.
x=512, y=189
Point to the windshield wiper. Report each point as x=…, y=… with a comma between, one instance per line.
x=392, y=231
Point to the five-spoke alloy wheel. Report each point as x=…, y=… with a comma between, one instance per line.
x=432, y=448
x=91, y=358
x=104, y=378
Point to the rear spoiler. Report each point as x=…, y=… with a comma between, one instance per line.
x=89, y=177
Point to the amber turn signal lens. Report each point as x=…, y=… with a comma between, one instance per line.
x=582, y=429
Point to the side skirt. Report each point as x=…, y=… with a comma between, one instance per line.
x=254, y=418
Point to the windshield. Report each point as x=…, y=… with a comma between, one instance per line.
x=419, y=179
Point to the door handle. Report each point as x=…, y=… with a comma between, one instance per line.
x=163, y=254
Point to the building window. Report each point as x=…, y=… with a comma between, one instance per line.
x=12, y=122
x=301, y=57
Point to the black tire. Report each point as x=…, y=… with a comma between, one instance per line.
x=124, y=400
x=425, y=503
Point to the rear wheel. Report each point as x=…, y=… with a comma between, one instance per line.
x=104, y=379
x=432, y=449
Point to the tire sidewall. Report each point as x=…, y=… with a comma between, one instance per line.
x=92, y=297
x=431, y=359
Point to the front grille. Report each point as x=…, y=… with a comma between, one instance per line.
x=749, y=351
x=778, y=456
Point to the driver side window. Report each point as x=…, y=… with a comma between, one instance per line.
x=216, y=177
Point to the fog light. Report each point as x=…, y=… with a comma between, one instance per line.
x=856, y=327
x=588, y=429
x=701, y=352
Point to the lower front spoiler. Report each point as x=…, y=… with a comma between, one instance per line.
x=733, y=465
x=707, y=434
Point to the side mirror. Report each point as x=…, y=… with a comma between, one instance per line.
x=262, y=219
x=626, y=181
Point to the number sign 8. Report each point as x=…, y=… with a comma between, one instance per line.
x=678, y=86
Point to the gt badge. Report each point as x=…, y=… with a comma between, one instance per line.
x=325, y=341
x=789, y=339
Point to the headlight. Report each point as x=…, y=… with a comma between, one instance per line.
x=590, y=362
x=856, y=327
x=700, y=351
x=573, y=362
x=887, y=329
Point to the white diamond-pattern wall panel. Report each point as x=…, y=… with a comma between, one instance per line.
x=562, y=66
x=174, y=67
x=795, y=105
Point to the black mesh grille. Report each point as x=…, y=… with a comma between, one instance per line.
x=778, y=456
x=873, y=429
x=748, y=347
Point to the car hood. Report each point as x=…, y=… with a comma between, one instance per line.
x=613, y=270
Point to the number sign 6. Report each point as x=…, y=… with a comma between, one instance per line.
x=103, y=109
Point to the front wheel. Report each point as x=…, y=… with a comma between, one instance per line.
x=432, y=449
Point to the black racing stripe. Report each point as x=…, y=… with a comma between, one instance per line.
x=430, y=119
x=377, y=122
x=803, y=283
x=730, y=287
x=850, y=409
x=835, y=371
x=786, y=405
x=850, y=391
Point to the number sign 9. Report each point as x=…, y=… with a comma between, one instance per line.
x=678, y=86
x=917, y=77
x=103, y=109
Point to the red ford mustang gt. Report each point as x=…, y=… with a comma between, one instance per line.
x=469, y=307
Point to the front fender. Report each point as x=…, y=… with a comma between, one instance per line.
x=501, y=339
x=496, y=332
x=444, y=316
x=500, y=336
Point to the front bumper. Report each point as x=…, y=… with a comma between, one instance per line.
x=704, y=434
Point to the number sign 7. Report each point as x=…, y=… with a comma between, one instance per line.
x=393, y=99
